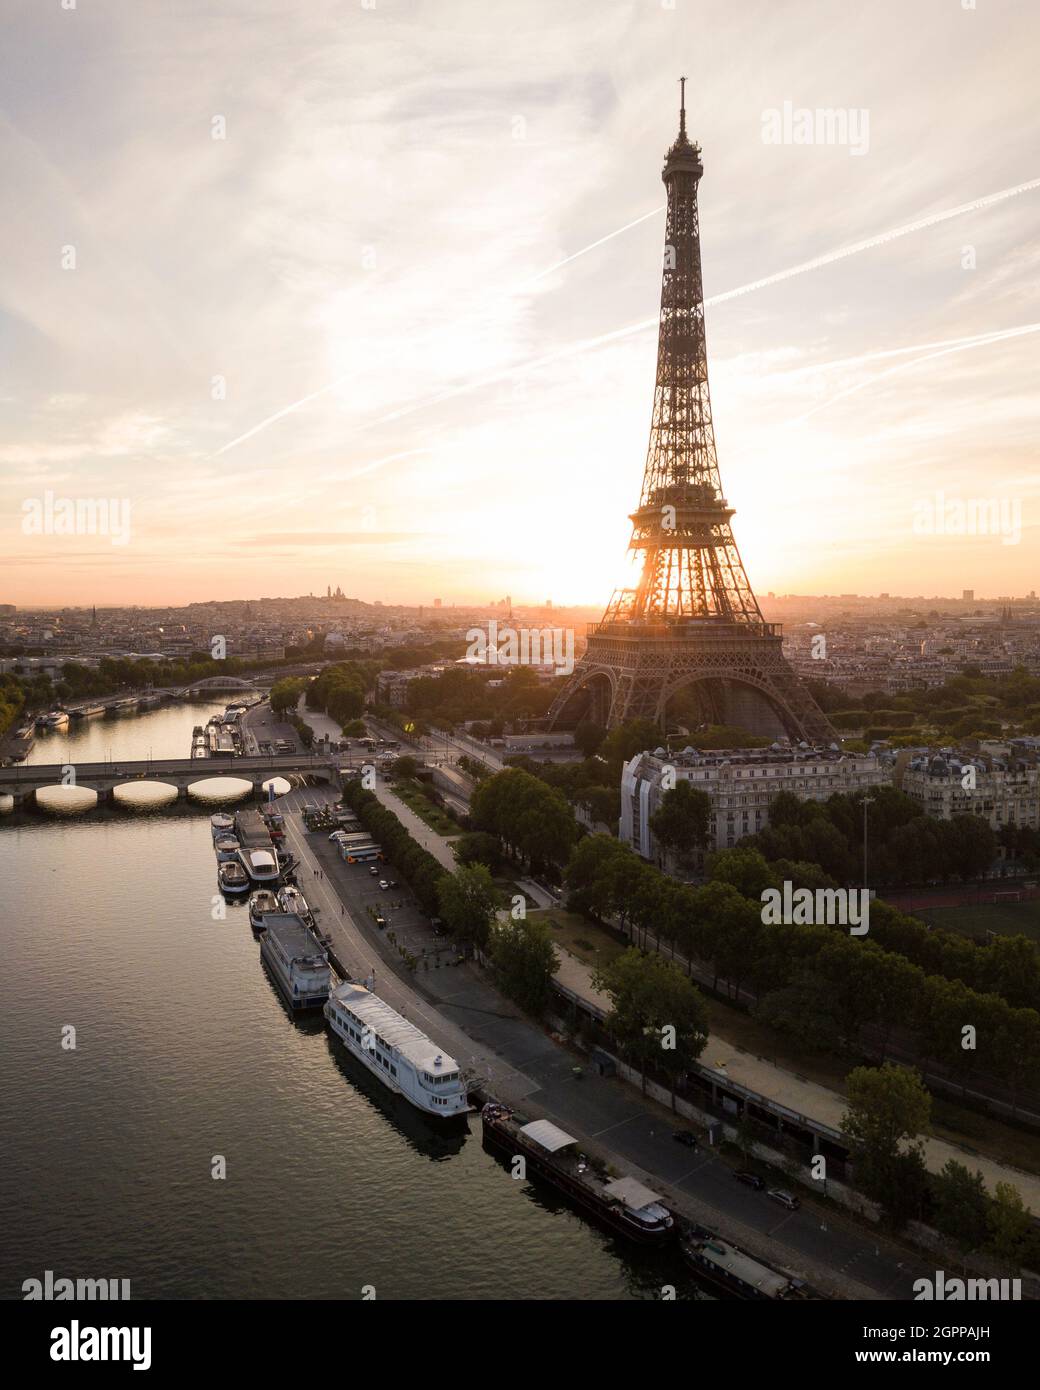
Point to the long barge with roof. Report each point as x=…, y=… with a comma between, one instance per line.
x=296, y=959
x=725, y=1267
x=624, y=1205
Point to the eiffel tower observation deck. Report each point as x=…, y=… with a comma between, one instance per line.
x=692, y=623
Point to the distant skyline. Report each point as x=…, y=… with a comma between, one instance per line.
x=394, y=325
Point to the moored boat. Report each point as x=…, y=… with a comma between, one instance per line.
x=725, y=1267
x=298, y=962
x=260, y=864
x=406, y=1061
x=232, y=877
x=56, y=719
x=227, y=847
x=221, y=824
x=290, y=899
x=624, y=1205
x=261, y=903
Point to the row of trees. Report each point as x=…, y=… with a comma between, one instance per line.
x=906, y=846
x=520, y=952
x=114, y=674
x=1004, y=965
x=889, y=1111
x=814, y=982
x=460, y=695
x=12, y=701
x=966, y=704
x=415, y=864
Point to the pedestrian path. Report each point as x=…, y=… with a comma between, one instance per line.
x=438, y=845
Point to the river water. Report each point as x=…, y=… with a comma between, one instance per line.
x=184, y=1056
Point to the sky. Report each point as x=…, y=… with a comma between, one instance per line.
x=364, y=293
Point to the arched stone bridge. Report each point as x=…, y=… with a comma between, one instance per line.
x=23, y=782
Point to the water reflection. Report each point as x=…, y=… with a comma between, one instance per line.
x=214, y=790
x=66, y=801
x=145, y=796
x=436, y=1139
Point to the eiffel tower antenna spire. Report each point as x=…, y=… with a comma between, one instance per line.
x=692, y=618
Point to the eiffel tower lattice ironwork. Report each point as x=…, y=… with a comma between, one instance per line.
x=692, y=620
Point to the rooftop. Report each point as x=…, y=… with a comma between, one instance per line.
x=293, y=936
x=408, y=1041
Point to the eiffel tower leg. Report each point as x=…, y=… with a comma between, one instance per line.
x=598, y=687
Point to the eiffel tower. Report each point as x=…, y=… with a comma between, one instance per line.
x=692, y=622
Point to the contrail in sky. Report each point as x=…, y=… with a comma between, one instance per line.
x=591, y=247
x=980, y=340
x=588, y=344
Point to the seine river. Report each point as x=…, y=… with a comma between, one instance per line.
x=184, y=1053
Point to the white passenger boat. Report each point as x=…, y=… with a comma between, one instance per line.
x=227, y=847
x=296, y=959
x=260, y=864
x=221, y=824
x=403, y=1058
x=57, y=719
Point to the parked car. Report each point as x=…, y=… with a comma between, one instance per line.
x=750, y=1179
x=784, y=1198
x=685, y=1136
x=391, y=883
x=383, y=884
x=373, y=870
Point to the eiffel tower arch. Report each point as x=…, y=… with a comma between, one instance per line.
x=692, y=620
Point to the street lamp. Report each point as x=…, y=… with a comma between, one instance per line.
x=867, y=801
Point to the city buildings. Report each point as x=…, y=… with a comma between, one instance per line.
x=740, y=784
x=1004, y=788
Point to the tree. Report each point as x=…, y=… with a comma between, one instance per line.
x=888, y=1109
x=680, y=823
x=588, y=737
x=624, y=742
x=285, y=694
x=528, y=815
x=603, y=803
x=658, y=1016
x=960, y=1205
x=888, y=1106
x=588, y=876
x=746, y=869
x=468, y=902
x=1010, y=1224
x=477, y=847
x=405, y=767
x=524, y=960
